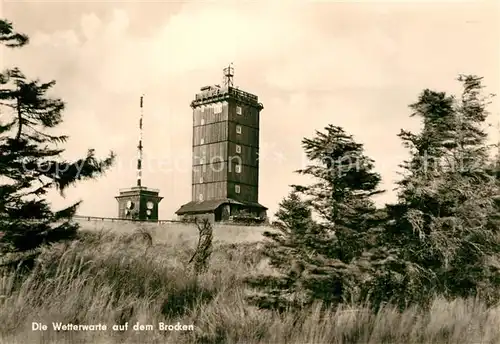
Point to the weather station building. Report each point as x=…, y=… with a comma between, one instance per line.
x=225, y=166
x=139, y=202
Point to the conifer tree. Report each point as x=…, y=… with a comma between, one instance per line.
x=445, y=228
x=293, y=236
x=345, y=185
x=9, y=37
x=324, y=251
x=349, y=220
x=30, y=160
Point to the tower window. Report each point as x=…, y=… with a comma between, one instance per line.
x=238, y=149
x=201, y=179
x=202, y=160
x=202, y=121
x=238, y=168
x=202, y=108
x=237, y=189
x=130, y=205
x=238, y=129
x=238, y=110
x=202, y=141
x=218, y=108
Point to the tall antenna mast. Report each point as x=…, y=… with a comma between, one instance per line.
x=228, y=75
x=139, y=147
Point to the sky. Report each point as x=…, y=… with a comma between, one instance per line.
x=355, y=65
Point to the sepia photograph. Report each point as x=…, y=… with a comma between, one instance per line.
x=249, y=172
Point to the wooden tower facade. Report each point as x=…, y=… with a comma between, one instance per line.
x=225, y=175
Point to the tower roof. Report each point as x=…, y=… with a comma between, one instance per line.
x=138, y=190
x=215, y=93
x=194, y=207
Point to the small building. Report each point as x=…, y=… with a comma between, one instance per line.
x=138, y=203
x=225, y=174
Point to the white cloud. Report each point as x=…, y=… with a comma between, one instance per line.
x=90, y=24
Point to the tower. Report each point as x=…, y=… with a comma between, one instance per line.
x=225, y=175
x=139, y=202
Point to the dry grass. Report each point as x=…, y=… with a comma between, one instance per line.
x=113, y=279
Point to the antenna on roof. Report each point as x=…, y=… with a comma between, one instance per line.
x=228, y=75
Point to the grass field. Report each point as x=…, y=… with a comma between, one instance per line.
x=116, y=278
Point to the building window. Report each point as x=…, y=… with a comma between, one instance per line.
x=200, y=197
x=203, y=108
x=238, y=168
x=238, y=110
x=238, y=149
x=202, y=121
x=201, y=179
x=202, y=141
x=218, y=108
x=202, y=160
x=238, y=129
x=237, y=189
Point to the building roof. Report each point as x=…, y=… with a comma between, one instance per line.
x=138, y=190
x=211, y=94
x=211, y=205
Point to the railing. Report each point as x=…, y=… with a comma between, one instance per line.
x=135, y=188
x=217, y=92
x=117, y=219
x=243, y=94
x=159, y=222
x=211, y=92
